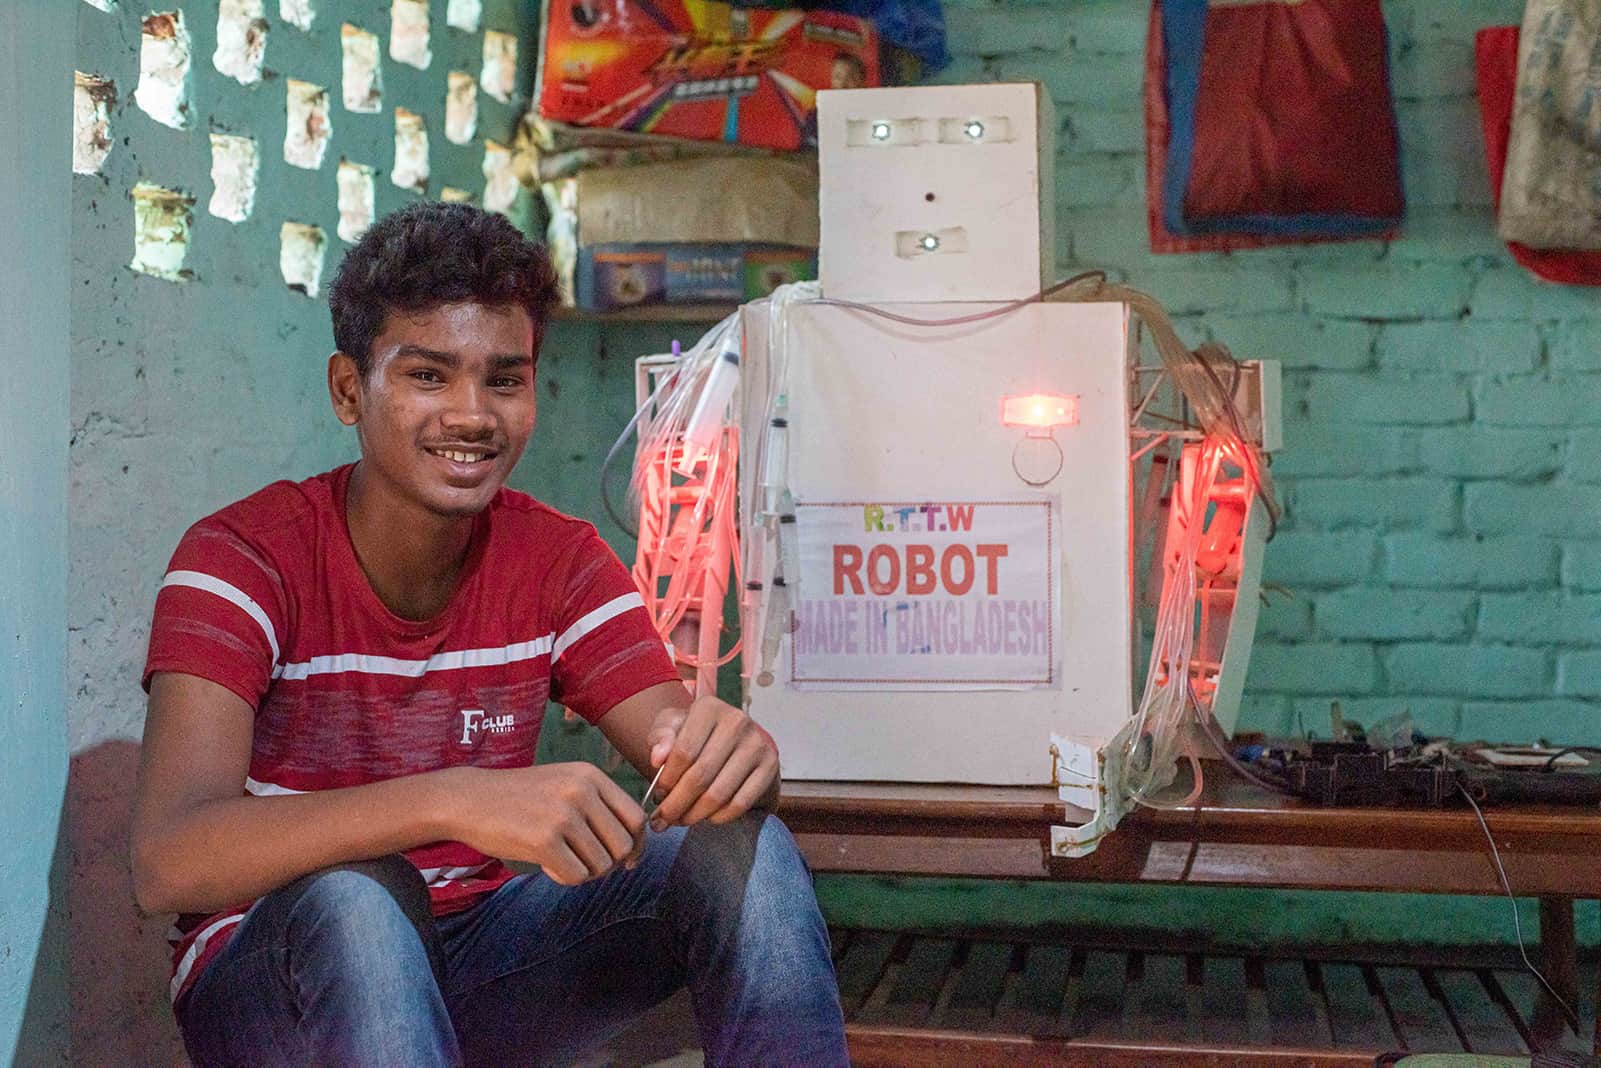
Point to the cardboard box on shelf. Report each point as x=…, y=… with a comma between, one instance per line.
x=692, y=231
x=624, y=275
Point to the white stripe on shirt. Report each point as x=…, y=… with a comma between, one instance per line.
x=199, y=580
x=455, y=660
x=592, y=619
x=197, y=947
x=267, y=789
x=437, y=877
x=366, y=664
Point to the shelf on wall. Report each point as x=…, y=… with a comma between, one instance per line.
x=653, y=313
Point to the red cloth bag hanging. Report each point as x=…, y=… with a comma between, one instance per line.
x=1254, y=169
x=1157, y=131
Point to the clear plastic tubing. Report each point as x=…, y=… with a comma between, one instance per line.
x=788, y=547
x=752, y=618
x=711, y=409
x=777, y=611
x=774, y=460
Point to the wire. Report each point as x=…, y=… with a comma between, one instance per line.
x=605, y=497
x=1517, y=924
x=617, y=447
x=1214, y=734
x=975, y=317
x=1550, y=765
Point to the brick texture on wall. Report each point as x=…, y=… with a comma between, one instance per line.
x=1442, y=530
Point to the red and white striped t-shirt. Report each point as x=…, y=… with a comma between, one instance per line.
x=266, y=597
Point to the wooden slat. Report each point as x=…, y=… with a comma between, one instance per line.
x=1129, y=859
x=904, y=800
x=1259, y=1027
x=1223, y=993
x=1195, y=999
x=1075, y=987
x=978, y=990
x=1309, y=866
x=922, y=975
x=1481, y=1020
x=1523, y=990
x=942, y=1000
x=1000, y=858
x=1099, y=1011
x=883, y=1047
x=1230, y=810
x=1493, y=985
x=1589, y=970
x=862, y=966
x=1007, y=1017
x=1357, y=1021
x=1297, y=1012
x=873, y=1005
x=1041, y=988
x=1161, y=1009
x=1417, y=1014
x=1133, y=983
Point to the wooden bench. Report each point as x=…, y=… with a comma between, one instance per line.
x=994, y=997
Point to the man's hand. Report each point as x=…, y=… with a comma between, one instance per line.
x=719, y=763
x=570, y=819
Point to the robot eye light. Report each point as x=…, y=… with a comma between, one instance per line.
x=974, y=129
x=929, y=243
x=1039, y=411
x=881, y=131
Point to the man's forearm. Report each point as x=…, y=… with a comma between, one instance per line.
x=220, y=853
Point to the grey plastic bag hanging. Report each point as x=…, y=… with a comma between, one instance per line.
x=1551, y=191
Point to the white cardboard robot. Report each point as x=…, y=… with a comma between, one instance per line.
x=944, y=484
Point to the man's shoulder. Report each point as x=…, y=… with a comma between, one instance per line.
x=280, y=516
x=532, y=521
x=545, y=546
x=279, y=506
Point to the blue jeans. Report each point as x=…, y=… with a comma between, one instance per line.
x=348, y=967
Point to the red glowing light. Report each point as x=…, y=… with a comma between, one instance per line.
x=1039, y=411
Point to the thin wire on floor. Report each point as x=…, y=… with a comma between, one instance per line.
x=1517, y=924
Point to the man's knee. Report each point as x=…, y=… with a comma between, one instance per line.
x=365, y=901
x=356, y=979
x=362, y=881
x=752, y=863
x=779, y=876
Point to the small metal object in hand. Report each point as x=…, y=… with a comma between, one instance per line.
x=650, y=810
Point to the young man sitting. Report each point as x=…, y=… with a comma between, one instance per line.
x=347, y=677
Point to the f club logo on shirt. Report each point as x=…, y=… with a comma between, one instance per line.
x=474, y=722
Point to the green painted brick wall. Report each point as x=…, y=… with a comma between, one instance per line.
x=1442, y=535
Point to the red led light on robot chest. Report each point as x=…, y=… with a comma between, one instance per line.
x=1039, y=411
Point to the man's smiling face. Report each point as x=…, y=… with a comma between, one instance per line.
x=447, y=403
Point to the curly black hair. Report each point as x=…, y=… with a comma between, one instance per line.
x=428, y=254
